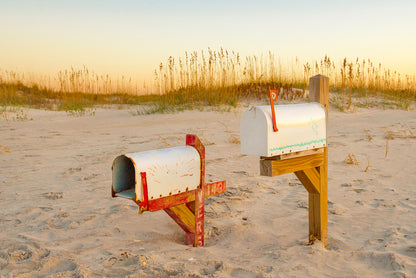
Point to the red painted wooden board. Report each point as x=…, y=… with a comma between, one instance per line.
x=210, y=189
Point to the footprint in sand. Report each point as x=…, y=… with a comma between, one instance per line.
x=240, y=173
x=239, y=272
x=89, y=177
x=336, y=209
x=211, y=268
x=359, y=190
x=411, y=251
x=21, y=254
x=126, y=258
x=382, y=203
x=73, y=170
x=53, y=195
x=216, y=160
x=302, y=204
x=61, y=221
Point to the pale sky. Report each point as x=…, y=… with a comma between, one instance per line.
x=131, y=38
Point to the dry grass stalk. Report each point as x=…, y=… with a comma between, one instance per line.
x=234, y=139
x=351, y=159
x=163, y=140
x=389, y=134
x=387, y=148
x=368, y=135
x=368, y=165
x=412, y=135
x=4, y=149
x=205, y=141
x=231, y=137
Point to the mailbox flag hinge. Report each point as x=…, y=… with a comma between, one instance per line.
x=273, y=97
x=144, y=206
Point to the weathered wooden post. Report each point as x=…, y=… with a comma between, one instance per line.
x=318, y=201
x=298, y=146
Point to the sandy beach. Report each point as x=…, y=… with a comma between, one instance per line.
x=58, y=218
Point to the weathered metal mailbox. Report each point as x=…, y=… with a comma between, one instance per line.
x=293, y=139
x=171, y=179
x=169, y=172
x=301, y=127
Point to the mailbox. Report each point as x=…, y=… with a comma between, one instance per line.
x=168, y=172
x=300, y=127
x=170, y=179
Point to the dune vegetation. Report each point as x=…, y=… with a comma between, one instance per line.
x=210, y=78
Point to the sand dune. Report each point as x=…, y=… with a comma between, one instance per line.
x=58, y=219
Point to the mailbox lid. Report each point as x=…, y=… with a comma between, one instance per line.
x=168, y=171
x=301, y=127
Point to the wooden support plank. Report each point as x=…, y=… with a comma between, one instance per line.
x=318, y=207
x=214, y=188
x=293, y=155
x=273, y=168
x=186, y=197
x=185, y=215
x=171, y=201
x=191, y=206
x=177, y=217
x=189, y=233
x=310, y=179
x=314, y=219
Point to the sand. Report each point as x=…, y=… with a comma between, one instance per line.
x=57, y=217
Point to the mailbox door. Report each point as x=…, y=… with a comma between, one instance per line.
x=255, y=125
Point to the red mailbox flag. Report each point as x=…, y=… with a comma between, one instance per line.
x=273, y=97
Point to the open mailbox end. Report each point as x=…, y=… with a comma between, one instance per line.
x=124, y=178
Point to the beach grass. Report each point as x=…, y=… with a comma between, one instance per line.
x=211, y=78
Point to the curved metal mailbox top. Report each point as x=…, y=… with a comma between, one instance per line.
x=168, y=171
x=301, y=127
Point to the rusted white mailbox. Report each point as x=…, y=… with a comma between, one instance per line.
x=171, y=179
x=300, y=127
x=168, y=172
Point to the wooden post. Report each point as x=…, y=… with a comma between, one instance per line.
x=199, y=203
x=319, y=91
x=318, y=202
